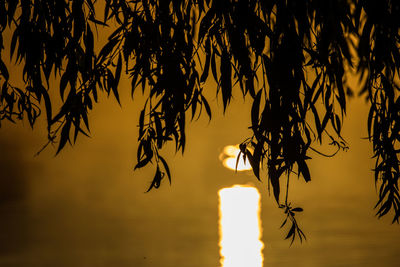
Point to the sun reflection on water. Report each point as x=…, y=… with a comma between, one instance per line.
x=240, y=227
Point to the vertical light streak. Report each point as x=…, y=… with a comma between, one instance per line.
x=240, y=227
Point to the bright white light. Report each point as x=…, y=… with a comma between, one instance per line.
x=229, y=156
x=240, y=227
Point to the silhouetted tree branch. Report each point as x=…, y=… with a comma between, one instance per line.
x=290, y=56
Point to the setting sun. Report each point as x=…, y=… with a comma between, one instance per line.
x=229, y=158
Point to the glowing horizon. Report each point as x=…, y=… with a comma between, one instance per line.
x=240, y=227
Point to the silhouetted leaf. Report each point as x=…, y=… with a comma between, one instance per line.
x=226, y=83
x=206, y=23
x=47, y=103
x=159, y=129
x=206, y=69
x=106, y=9
x=14, y=42
x=195, y=100
x=166, y=168
x=317, y=122
x=141, y=123
x=12, y=6
x=291, y=232
x=283, y=223
x=106, y=50
x=3, y=70
x=89, y=41
x=298, y=209
x=64, y=135
x=327, y=116
x=63, y=83
x=146, y=159
x=116, y=79
x=237, y=160
x=207, y=107
x=156, y=180
x=303, y=169
x=255, y=165
x=214, y=68
x=274, y=178
x=255, y=110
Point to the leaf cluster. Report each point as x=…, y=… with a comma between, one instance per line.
x=294, y=230
x=378, y=51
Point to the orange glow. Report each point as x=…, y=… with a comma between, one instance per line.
x=229, y=156
x=240, y=227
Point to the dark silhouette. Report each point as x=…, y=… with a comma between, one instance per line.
x=289, y=56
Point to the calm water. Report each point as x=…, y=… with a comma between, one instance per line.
x=86, y=207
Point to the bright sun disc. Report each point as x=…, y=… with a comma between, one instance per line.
x=240, y=227
x=229, y=156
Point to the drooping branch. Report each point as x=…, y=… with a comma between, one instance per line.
x=290, y=57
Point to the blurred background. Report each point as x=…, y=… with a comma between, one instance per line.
x=87, y=207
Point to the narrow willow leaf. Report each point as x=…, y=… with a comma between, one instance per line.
x=3, y=70
x=164, y=162
x=226, y=82
x=206, y=105
x=141, y=124
x=298, y=209
x=117, y=77
x=156, y=180
x=291, y=231
x=303, y=169
x=64, y=138
x=214, y=68
x=255, y=165
x=47, y=103
x=255, y=110
x=206, y=69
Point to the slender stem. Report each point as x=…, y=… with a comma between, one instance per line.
x=287, y=189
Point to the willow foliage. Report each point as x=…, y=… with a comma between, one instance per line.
x=290, y=56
